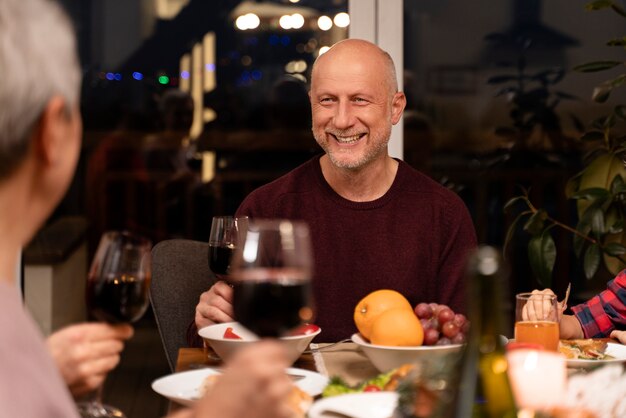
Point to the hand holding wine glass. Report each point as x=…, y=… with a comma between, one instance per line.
x=271, y=273
x=117, y=291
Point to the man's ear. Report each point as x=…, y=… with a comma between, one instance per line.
x=398, y=103
x=54, y=125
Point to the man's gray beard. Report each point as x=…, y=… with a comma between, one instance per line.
x=369, y=156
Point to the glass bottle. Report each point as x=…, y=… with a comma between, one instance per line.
x=484, y=389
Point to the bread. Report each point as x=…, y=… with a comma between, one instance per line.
x=299, y=401
x=584, y=349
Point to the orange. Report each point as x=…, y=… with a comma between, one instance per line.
x=397, y=327
x=375, y=303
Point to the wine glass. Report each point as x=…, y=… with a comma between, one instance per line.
x=117, y=291
x=536, y=320
x=271, y=274
x=222, y=243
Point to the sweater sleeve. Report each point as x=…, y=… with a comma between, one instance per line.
x=604, y=312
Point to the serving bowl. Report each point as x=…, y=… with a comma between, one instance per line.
x=225, y=347
x=386, y=358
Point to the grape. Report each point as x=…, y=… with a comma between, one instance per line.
x=446, y=314
x=423, y=310
x=425, y=323
x=444, y=341
x=431, y=336
x=465, y=328
x=459, y=320
x=459, y=338
x=434, y=307
x=434, y=323
x=449, y=329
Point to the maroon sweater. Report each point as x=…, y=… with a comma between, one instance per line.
x=414, y=239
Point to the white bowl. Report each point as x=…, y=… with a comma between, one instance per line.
x=385, y=358
x=213, y=335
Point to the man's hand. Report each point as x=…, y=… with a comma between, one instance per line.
x=254, y=385
x=85, y=353
x=215, y=306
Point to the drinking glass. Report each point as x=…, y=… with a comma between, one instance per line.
x=271, y=275
x=222, y=243
x=117, y=291
x=536, y=320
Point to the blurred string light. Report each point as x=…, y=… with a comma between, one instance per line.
x=294, y=21
x=184, y=75
x=137, y=76
x=163, y=79
x=324, y=23
x=247, y=21
x=294, y=1
x=298, y=66
x=342, y=19
x=322, y=50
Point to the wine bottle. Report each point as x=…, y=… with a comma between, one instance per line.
x=484, y=389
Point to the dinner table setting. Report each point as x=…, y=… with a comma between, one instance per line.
x=404, y=361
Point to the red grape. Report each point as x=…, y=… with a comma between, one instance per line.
x=445, y=315
x=423, y=310
x=459, y=320
x=434, y=307
x=431, y=336
x=425, y=323
x=449, y=329
x=444, y=341
x=459, y=338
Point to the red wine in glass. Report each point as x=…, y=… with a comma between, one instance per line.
x=118, y=298
x=271, y=276
x=219, y=258
x=222, y=242
x=271, y=308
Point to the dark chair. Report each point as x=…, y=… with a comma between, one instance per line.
x=180, y=273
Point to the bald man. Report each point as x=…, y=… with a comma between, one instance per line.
x=375, y=221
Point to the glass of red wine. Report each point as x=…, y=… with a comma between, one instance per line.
x=118, y=286
x=222, y=243
x=271, y=274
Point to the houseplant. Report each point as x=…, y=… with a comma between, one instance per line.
x=599, y=236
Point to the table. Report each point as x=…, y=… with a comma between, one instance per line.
x=344, y=360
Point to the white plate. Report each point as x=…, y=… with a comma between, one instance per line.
x=615, y=350
x=356, y=405
x=183, y=387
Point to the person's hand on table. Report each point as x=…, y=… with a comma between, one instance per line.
x=85, y=353
x=619, y=335
x=531, y=309
x=254, y=385
x=215, y=305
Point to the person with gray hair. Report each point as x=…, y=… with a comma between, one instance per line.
x=40, y=139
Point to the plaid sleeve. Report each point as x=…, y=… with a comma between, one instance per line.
x=606, y=311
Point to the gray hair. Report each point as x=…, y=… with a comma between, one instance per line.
x=37, y=62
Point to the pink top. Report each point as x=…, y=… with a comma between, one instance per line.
x=30, y=384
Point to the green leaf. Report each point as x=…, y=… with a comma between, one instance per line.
x=601, y=93
x=592, y=67
x=618, y=81
x=583, y=228
x=592, y=193
x=542, y=256
x=617, y=42
x=592, y=136
x=617, y=185
x=618, y=9
x=514, y=200
x=614, y=249
x=597, y=222
x=592, y=259
x=598, y=5
x=511, y=231
x=620, y=111
x=535, y=223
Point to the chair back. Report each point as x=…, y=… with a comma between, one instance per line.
x=180, y=273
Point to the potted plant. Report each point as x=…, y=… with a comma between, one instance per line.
x=599, y=235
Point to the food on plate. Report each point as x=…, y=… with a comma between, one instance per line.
x=230, y=334
x=299, y=401
x=304, y=329
x=371, y=306
x=397, y=327
x=383, y=382
x=442, y=326
x=584, y=349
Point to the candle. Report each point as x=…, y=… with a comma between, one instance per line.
x=538, y=378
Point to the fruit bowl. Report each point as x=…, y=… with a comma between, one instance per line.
x=385, y=358
x=225, y=343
